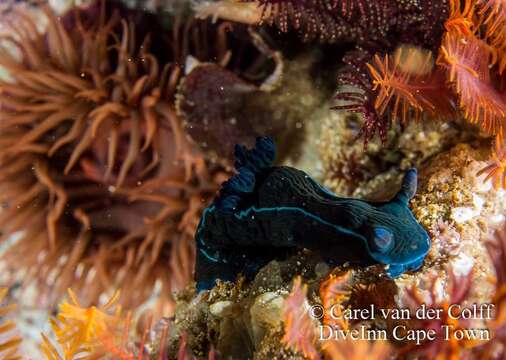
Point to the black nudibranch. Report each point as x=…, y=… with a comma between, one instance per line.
x=264, y=211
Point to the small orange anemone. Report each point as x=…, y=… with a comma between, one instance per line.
x=496, y=348
x=468, y=61
x=78, y=329
x=408, y=87
x=457, y=292
x=461, y=18
x=335, y=291
x=9, y=342
x=300, y=330
x=493, y=14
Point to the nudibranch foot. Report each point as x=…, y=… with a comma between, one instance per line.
x=395, y=270
x=265, y=212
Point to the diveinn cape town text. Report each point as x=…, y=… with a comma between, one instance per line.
x=401, y=332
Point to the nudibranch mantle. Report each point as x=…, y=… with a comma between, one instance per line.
x=264, y=211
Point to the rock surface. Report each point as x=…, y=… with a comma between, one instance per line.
x=460, y=210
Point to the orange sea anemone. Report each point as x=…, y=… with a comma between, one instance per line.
x=469, y=60
x=97, y=175
x=493, y=13
x=496, y=347
x=9, y=341
x=409, y=86
x=335, y=292
x=457, y=291
x=79, y=330
x=300, y=330
x=468, y=75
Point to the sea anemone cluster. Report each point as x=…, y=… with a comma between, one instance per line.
x=463, y=76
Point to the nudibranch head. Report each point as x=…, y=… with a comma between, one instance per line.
x=394, y=237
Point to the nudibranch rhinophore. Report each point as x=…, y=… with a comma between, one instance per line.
x=265, y=211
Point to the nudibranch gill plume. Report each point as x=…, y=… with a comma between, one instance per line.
x=264, y=211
